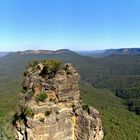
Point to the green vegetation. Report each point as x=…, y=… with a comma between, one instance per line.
x=24, y=112
x=27, y=111
x=8, y=103
x=30, y=92
x=110, y=72
x=15, y=118
x=34, y=63
x=85, y=107
x=41, y=97
x=23, y=91
x=125, y=87
x=118, y=122
x=51, y=67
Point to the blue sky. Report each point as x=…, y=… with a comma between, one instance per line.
x=73, y=24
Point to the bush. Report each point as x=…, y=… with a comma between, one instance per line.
x=27, y=111
x=23, y=91
x=85, y=107
x=16, y=117
x=34, y=63
x=41, y=97
x=51, y=67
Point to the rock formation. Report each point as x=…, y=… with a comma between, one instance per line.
x=42, y=52
x=51, y=108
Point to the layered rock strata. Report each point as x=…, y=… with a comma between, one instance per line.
x=51, y=108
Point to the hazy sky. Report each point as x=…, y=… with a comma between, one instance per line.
x=73, y=24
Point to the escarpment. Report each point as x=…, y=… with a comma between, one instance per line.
x=51, y=108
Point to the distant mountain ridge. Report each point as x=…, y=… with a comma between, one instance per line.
x=96, y=53
x=3, y=54
x=43, y=51
x=123, y=51
x=107, y=52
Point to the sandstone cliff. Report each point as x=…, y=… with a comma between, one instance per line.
x=50, y=107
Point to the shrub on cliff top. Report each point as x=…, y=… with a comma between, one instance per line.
x=27, y=111
x=85, y=107
x=34, y=63
x=51, y=67
x=41, y=97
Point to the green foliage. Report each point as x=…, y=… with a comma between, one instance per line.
x=34, y=63
x=30, y=92
x=118, y=122
x=8, y=101
x=52, y=64
x=41, y=97
x=27, y=111
x=134, y=105
x=23, y=91
x=126, y=87
x=85, y=107
x=15, y=118
x=51, y=67
x=24, y=112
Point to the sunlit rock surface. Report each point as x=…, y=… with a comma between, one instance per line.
x=51, y=108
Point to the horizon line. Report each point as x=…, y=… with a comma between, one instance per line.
x=68, y=49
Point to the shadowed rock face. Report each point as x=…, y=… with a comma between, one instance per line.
x=51, y=109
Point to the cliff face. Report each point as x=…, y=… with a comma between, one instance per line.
x=51, y=108
x=43, y=52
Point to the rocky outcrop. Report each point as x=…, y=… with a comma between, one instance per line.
x=50, y=107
